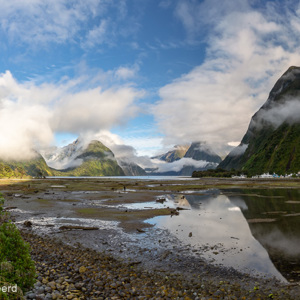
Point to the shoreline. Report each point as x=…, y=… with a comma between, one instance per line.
x=51, y=201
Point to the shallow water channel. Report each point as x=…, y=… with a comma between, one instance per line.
x=255, y=231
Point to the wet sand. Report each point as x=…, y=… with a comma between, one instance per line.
x=123, y=233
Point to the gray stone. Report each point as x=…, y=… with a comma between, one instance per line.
x=40, y=290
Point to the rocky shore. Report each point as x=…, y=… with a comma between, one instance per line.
x=67, y=272
x=122, y=255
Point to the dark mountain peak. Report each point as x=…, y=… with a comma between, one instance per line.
x=95, y=149
x=272, y=141
x=287, y=87
x=173, y=155
x=201, y=151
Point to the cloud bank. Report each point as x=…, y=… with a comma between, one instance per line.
x=248, y=49
x=279, y=113
x=30, y=113
x=177, y=165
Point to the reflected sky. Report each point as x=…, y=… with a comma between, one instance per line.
x=218, y=227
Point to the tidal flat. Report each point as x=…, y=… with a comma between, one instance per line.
x=240, y=237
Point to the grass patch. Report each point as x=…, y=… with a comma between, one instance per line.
x=45, y=202
x=121, y=216
x=68, y=200
x=129, y=221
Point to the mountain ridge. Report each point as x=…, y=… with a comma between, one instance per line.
x=94, y=160
x=272, y=141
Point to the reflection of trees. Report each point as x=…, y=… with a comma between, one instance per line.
x=280, y=238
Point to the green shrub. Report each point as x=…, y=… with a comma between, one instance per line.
x=16, y=265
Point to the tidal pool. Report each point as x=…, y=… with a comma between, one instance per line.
x=254, y=231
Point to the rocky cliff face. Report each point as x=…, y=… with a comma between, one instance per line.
x=131, y=169
x=200, y=151
x=272, y=141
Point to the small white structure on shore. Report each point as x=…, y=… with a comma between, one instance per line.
x=239, y=177
x=265, y=175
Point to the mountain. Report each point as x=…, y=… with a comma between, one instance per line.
x=200, y=151
x=70, y=159
x=65, y=157
x=93, y=160
x=35, y=167
x=130, y=168
x=184, y=160
x=272, y=141
x=173, y=155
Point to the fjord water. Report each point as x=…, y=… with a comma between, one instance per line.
x=254, y=231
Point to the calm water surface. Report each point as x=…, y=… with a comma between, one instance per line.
x=126, y=177
x=255, y=231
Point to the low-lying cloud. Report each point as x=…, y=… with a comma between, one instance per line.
x=239, y=150
x=177, y=165
x=288, y=112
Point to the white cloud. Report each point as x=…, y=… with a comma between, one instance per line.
x=22, y=129
x=125, y=73
x=30, y=113
x=40, y=22
x=247, y=52
x=97, y=35
x=177, y=165
x=93, y=109
x=145, y=145
x=282, y=112
x=37, y=20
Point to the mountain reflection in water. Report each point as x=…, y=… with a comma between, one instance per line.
x=281, y=236
x=250, y=230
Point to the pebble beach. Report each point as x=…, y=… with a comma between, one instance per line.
x=67, y=272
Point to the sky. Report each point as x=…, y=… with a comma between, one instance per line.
x=149, y=74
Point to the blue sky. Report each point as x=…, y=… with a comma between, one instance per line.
x=148, y=73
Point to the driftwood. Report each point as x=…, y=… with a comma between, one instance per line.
x=161, y=200
x=174, y=212
x=9, y=208
x=71, y=227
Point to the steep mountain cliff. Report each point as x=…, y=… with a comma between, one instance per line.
x=131, y=169
x=200, y=151
x=272, y=141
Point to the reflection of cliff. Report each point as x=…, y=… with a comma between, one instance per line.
x=195, y=201
x=181, y=201
x=274, y=220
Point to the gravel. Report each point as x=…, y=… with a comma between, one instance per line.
x=67, y=272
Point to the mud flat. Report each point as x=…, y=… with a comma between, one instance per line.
x=111, y=217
